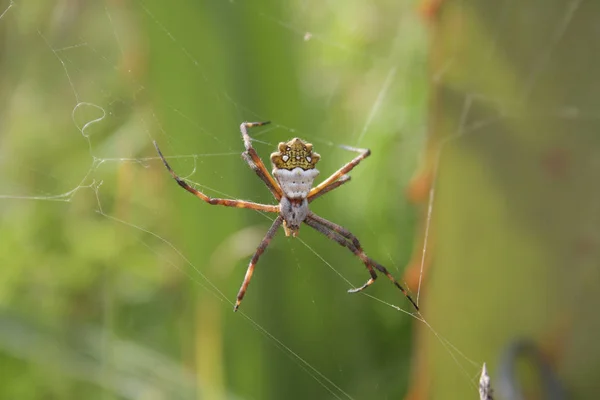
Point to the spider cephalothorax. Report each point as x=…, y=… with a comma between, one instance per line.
x=295, y=154
x=294, y=171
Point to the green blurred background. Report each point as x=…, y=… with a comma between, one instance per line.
x=111, y=276
x=117, y=284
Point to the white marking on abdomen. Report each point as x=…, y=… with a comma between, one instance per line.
x=296, y=184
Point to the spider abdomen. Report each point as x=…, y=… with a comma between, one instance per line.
x=295, y=183
x=294, y=212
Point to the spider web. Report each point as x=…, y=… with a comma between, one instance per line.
x=141, y=275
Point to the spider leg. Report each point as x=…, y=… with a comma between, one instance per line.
x=343, y=179
x=336, y=237
x=336, y=228
x=261, y=175
x=259, y=250
x=213, y=201
x=257, y=161
x=344, y=238
x=364, y=153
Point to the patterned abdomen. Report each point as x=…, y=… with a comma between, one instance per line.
x=295, y=183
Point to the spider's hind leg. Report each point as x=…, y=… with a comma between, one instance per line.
x=367, y=283
x=344, y=238
x=259, y=250
x=314, y=222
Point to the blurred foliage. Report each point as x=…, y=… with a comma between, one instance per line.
x=111, y=276
x=115, y=283
x=514, y=152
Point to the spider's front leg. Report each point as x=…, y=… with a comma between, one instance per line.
x=255, y=162
x=262, y=175
x=340, y=173
x=343, y=179
x=215, y=201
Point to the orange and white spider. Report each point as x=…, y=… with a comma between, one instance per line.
x=294, y=172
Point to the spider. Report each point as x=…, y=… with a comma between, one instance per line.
x=291, y=184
